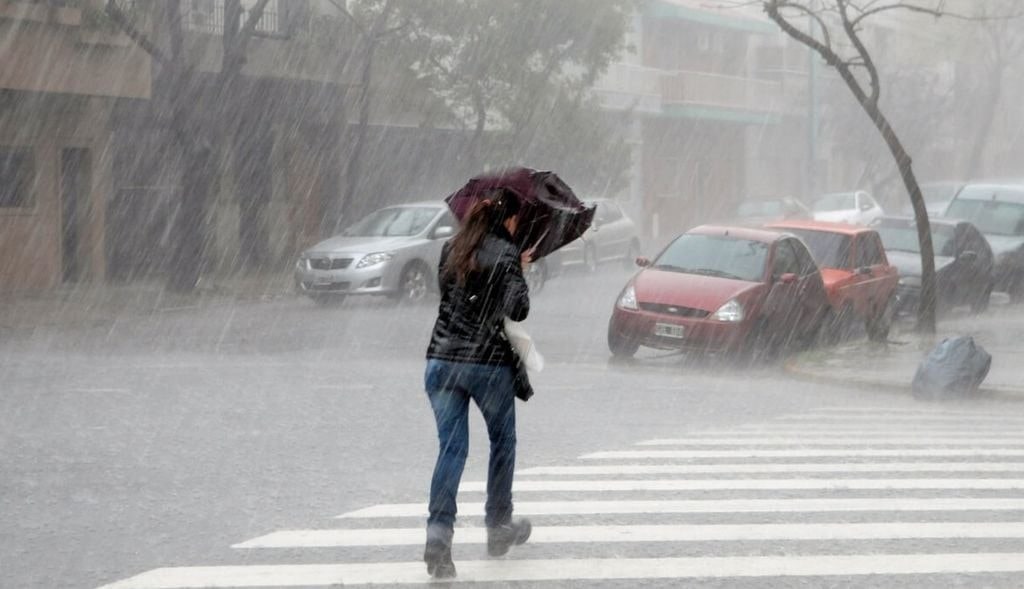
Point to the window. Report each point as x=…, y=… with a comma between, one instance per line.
x=869, y=251
x=835, y=202
x=715, y=255
x=992, y=217
x=785, y=261
x=17, y=177
x=393, y=222
x=804, y=260
x=831, y=250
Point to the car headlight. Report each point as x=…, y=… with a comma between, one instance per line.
x=731, y=312
x=374, y=259
x=302, y=263
x=628, y=299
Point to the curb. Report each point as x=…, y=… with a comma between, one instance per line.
x=793, y=367
x=202, y=301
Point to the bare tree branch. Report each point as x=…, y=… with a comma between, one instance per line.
x=854, y=35
x=141, y=39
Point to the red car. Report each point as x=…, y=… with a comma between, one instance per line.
x=858, y=277
x=721, y=289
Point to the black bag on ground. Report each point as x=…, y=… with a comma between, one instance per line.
x=956, y=367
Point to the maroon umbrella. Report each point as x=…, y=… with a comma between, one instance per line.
x=551, y=214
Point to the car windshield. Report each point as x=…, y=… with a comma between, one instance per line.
x=902, y=237
x=393, y=222
x=830, y=250
x=715, y=255
x=835, y=202
x=993, y=217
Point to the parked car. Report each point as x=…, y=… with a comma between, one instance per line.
x=858, y=278
x=721, y=289
x=937, y=196
x=612, y=236
x=997, y=210
x=761, y=210
x=859, y=208
x=393, y=252
x=963, y=262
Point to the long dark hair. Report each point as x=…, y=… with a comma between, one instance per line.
x=497, y=206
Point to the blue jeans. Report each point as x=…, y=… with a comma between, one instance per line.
x=450, y=386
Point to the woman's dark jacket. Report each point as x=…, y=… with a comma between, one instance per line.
x=469, y=325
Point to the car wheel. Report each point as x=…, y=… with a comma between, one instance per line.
x=981, y=301
x=621, y=345
x=414, y=283
x=631, y=255
x=536, y=276
x=589, y=259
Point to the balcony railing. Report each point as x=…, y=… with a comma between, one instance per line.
x=704, y=89
x=208, y=17
x=692, y=88
x=626, y=78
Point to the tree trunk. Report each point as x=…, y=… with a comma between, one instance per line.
x=353, y=170
x=474, y=157
x=354, y=167
x=926, y=307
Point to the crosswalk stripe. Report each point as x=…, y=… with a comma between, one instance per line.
x=836, y=441
x=611, y=485
x=902, y=411
x=919, y=418
x=317, y=575
x=747, y=468
x=856, y=431
x=800, y=453
x=878, y=504
x=649, y=533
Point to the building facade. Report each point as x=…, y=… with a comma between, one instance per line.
x=59, y=82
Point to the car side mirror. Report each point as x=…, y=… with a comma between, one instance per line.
x=443, y=232
x=864, y=270
x=788, y=278
x=643, y=262
x=865, y=206
x=969, y=256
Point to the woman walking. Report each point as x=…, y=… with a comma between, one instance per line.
x=469, y=358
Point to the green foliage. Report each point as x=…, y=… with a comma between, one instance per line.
x=523, y=69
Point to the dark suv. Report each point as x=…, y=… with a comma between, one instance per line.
x=997, y=210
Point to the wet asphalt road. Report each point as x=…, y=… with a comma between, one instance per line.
x=163, y=440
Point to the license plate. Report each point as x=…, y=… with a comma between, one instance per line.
x=322, y=280
x=669, y=330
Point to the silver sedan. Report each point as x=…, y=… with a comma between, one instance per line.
x=392, y=252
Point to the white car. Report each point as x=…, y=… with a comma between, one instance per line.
x=856, y=208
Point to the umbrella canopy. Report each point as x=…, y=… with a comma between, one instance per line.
x=551, y=215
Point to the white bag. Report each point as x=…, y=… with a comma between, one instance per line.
x=523, y=344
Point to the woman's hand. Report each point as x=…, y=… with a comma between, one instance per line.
x=526, y=258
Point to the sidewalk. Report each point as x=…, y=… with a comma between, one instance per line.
x=891, y=366
x=98, y=304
